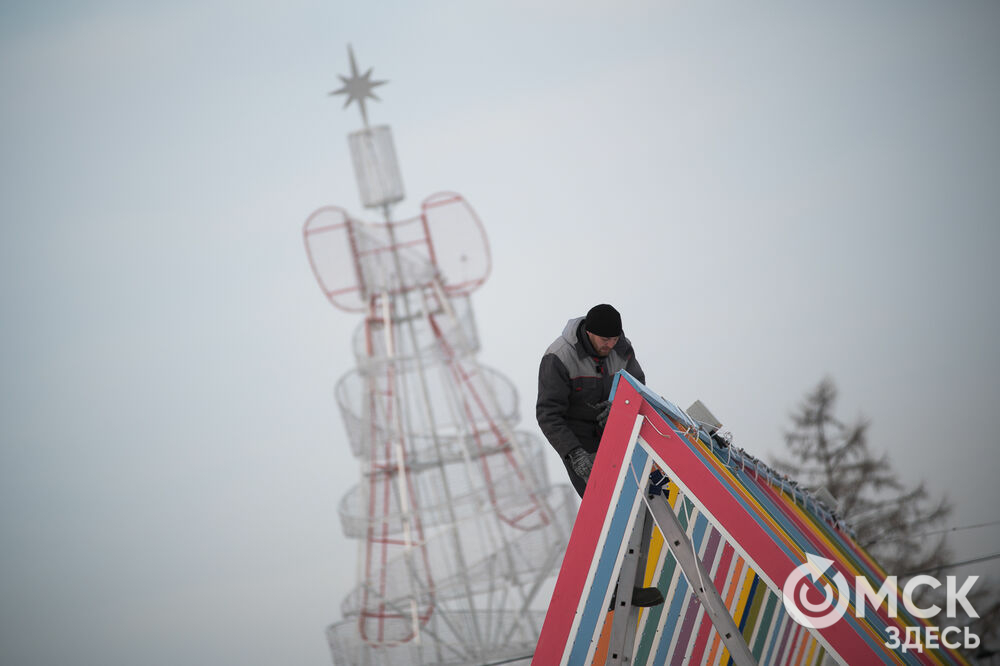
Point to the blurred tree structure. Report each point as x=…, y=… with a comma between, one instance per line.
x=897, y=523
x=887, y=517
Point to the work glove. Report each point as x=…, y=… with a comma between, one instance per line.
x=581, y=462
x=657, y=483
x=603, y=409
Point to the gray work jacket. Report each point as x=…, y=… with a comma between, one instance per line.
x=572, y=379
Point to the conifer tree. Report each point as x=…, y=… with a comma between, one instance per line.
x=897, y=523
x=890, y=519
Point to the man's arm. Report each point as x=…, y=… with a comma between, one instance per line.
x=553, y=401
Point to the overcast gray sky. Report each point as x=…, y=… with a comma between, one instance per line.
x=769, y=194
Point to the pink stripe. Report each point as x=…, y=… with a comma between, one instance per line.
x=572, y=583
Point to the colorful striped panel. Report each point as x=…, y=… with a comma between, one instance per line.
x=750, y=528
x=755, y=608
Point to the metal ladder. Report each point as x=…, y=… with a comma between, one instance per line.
x=623, y=628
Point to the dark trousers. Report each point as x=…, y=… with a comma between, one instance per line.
x=578, y=484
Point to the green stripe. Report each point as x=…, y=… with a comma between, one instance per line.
x=765, y=625
x=652, y=615
x=755, y=603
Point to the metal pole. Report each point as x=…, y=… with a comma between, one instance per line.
x=700, y=581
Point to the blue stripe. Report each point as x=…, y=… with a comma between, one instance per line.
x=594, y=611
x=750, y=599
x=780, y=619
x=681, y=596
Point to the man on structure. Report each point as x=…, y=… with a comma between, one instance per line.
x=574, y=384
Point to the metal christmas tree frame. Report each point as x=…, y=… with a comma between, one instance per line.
x=458, y=526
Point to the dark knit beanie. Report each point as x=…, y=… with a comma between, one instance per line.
x=604, y=320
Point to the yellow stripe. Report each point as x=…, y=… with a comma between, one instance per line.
x=739, y=571
x=810, y=656
x=653, y=557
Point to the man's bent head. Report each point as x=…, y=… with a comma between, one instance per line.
x=604, y=327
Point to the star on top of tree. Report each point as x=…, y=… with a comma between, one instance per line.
x=356, y=87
